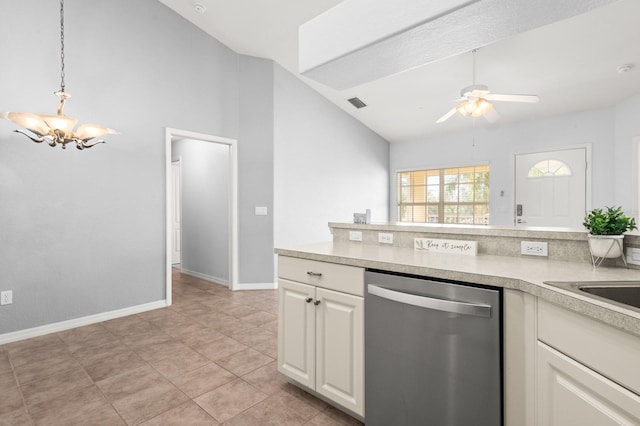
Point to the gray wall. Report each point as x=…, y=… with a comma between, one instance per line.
x=608, y=130
x=328, y=165
x=255, y=180
x=205, y=208
x=83, y=232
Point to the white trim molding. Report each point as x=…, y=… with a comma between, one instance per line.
x=256, y=286
x=205, y=277
x=56, y=327
x=233, y=204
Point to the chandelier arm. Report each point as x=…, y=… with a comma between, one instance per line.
x=35, y=139
x=82, y=144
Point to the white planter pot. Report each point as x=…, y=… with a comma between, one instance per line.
x=606, y=246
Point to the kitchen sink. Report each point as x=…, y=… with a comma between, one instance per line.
x=628, y=294
x=622, y=292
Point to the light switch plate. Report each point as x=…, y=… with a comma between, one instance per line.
x=261, y=211
x=6, y=297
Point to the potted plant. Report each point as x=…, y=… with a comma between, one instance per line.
x=605, y=231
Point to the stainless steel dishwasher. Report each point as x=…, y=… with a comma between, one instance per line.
x=433, y=352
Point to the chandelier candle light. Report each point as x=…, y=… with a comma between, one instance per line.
x=58, y=129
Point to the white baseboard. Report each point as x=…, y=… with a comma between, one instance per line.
x=256, y=286
x=28, y=333
x=216, y=280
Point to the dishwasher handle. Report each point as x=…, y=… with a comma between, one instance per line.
x=474, y=309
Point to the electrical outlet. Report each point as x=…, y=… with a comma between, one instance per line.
x=534, y=248
x=6, y=297
x=355, y=236
x=385, y=238
x=633, y=255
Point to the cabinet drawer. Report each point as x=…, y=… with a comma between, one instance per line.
x=347, y=279
x=605, y=349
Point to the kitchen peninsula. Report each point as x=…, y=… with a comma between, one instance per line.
x=553, y=335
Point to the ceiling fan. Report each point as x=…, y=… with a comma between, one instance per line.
x=474, y=100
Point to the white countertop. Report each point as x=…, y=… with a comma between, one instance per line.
x=525, y=274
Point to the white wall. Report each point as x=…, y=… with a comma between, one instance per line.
x=205, y=207
x=627, y=127
x=496, y=145
x=328, y=165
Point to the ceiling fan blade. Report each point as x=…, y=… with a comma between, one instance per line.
x=447, y=115
x=492, y=115
x=512, y=98
x=477, y=94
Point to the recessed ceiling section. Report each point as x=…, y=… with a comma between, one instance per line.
x=360, y=41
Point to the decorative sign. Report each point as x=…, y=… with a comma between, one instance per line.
x=469, y=248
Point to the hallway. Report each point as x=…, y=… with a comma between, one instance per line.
x=208, y=359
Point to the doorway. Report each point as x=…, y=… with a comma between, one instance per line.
x=552, y=187
x=230, y=144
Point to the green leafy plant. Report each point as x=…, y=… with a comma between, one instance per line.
x=611, y=221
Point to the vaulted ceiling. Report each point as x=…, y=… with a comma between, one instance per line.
x=572, y=65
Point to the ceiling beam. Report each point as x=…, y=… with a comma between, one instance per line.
x=358, y=41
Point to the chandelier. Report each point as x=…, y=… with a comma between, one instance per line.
x=58, y=129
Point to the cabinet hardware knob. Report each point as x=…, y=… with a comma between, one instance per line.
x=308, y=300
x=317, y=302
x=314, y=274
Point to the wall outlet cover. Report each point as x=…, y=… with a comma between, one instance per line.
x=633, y=255
x=355, y=236
x=385, y=238
x=534, y=248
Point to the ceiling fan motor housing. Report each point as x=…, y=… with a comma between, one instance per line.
x=475, y=91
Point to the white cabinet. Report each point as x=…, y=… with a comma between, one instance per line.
x=569, y=393
x=296, y=332
x=321, y=330
x=587, y=371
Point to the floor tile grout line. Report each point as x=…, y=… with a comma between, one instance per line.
x=249, y=307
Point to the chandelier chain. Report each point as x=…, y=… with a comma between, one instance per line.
x=62, y=46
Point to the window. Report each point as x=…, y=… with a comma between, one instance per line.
x=452, y=195
x=548, y=168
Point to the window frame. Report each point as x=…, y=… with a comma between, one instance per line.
x=418, y=192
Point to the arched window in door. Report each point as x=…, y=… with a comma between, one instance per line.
x=549, y=168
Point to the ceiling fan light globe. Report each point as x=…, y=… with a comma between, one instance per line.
x=461, y=108
x=470, y=107
x=482, y=107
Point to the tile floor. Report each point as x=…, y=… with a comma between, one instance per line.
x=209, y=359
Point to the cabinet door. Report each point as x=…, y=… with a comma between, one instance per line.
x=340, y=348
x=570, y=393
x=296, y=331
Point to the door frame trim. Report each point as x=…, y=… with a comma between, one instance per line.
x=587, y=147
x=178, y=162
x=171, y=133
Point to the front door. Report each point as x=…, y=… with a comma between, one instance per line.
x=550, y=188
